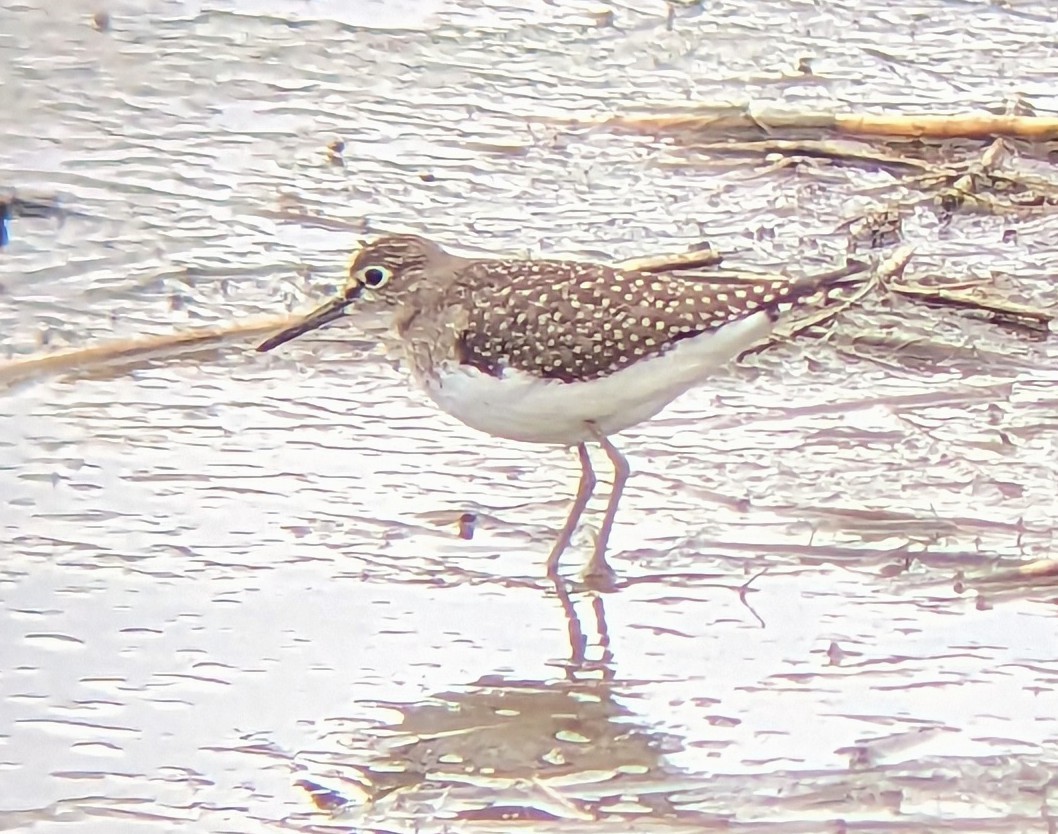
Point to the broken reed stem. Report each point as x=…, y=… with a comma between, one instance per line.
x=68, y=360
x=721, y=119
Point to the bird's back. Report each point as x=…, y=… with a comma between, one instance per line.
x=573, y=321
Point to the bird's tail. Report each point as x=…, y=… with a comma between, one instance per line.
x=821, y=291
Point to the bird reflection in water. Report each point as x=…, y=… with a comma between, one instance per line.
x=504, y=749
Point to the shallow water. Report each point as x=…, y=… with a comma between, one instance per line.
x=230, y=575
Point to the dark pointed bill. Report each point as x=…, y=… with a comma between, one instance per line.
x=322, y=315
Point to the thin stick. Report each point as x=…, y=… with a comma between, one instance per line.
x=728, y=119
x=67, y=360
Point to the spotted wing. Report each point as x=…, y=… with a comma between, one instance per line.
x=567, y=320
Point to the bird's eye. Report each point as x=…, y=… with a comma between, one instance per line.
x=375, y=276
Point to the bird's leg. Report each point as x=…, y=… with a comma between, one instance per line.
x=598, y=567
x=584, y=491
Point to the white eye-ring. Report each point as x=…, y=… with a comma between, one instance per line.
x=375, y=276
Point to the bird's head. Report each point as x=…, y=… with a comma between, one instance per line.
x=383, y=273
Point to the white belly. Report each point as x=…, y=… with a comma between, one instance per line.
x=520, y=406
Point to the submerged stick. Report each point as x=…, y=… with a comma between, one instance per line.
x=727, y=119
x=69, y=360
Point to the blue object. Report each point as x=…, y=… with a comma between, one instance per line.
x=12, y=206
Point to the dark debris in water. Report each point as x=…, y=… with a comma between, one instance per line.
x=13, y=206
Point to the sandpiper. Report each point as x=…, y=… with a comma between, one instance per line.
x=557, y=351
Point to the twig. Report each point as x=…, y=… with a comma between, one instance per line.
x=729, y=119
x=69, y=360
